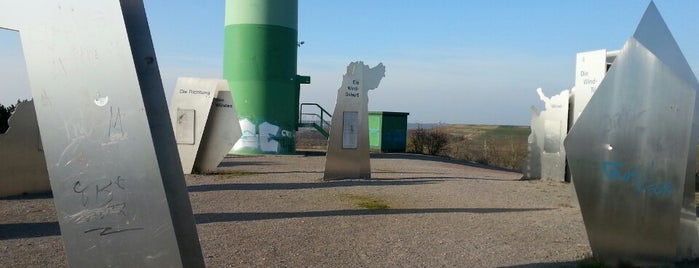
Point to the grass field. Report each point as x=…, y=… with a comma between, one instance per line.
x=486, y=131
x=501, y=146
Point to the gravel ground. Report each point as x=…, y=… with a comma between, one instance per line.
x=274, y=211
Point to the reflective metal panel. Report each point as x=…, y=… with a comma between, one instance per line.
x=221, y=132
x=590, y=69
x=653, y=33
x=22, y=163
x=548, y=130
x=110, y=150
x=532, y=168
x=630, y=153
x=189, y=112
x=348, y=146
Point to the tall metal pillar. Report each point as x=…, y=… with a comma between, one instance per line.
x=260, y=66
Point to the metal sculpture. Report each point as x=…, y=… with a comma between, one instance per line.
x=205, y=122
x=117, y=182
x=220, y=135
x=348, y=146
x=23, y=167
x=632, y=152
x=547, y=157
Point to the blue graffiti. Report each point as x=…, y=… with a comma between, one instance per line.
x=615, y=171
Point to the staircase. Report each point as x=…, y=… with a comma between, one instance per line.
x=318, y=118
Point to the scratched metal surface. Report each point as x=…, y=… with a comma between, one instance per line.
x=222, y=131
x=348, y=147
x=96, y=105
x=631, y=153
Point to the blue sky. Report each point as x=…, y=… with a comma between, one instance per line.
x=476, y=62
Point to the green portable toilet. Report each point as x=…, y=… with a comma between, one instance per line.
x=388, y=131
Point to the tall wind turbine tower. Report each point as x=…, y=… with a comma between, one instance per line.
x=260, y=48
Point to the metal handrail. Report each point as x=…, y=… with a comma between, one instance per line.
x=323, y=114
x=316, y=119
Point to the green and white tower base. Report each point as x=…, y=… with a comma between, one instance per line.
x=260, y=46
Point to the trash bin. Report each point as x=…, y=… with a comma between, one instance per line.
x=388, y=131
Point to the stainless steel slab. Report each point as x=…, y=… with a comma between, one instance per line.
x=631, y=153
x=189, y=111
x=348, y=147
x=221, y=132
x=22, y=163
x=110, y=150
x=547, y=157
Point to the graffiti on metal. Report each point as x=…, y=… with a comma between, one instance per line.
x=109, y=148
x=264, y=137
x=631, y=153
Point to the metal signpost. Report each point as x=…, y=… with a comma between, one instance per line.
x=117, y=182
x=348, y=146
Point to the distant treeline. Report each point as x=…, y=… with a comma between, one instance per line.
x=499, y=146
x=425, y=126
x=5, y=113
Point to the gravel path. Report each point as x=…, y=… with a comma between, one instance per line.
x=274, y=211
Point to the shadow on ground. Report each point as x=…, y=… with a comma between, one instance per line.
x=231, y=162
x=254, y=216
x=409, y=156
x=47, y=195
x=41, y=229
x=28, y=230
x=422, y=157
x=298, y=186
x=587, y=263
x=249, y=173
x=568, y=264
x=445, y=178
